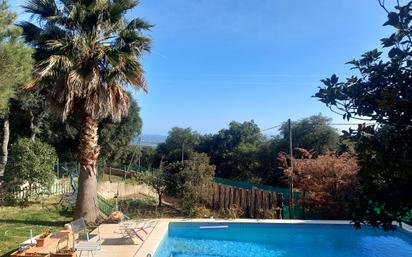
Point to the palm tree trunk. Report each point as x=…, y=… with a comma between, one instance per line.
x=86, y=205
x=5, y=145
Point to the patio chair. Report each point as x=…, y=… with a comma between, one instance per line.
x=130, y=230
x=78, y=227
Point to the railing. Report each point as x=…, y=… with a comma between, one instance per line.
x=58, y=188
x=104, y=205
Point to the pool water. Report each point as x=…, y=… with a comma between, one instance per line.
x=189, y=239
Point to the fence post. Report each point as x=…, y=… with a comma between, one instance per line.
x=110, y=174
x=58, y=168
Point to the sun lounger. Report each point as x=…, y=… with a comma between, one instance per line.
x=140, y=230
x=79, y=226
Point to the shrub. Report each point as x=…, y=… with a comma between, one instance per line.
x=32, y=164
x=326, y=183
x=199, y=212
x=192, y=181
x=233, y=212
x=266, y=214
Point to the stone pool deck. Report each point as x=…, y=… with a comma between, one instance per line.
x=114, y=245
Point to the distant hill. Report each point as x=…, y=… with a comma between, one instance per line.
x=150, y=140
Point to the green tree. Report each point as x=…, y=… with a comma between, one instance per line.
x=32, y=118
x=32, y=164
x=29, y=110
x=15, y=68
x=313, y=133
x=88, y=53
x=193, y=181
x=268, y=168
x=233, y=150
x=179, y=144
x=381, y=93
x=158, y=181
x=147, y=156
x=115, y=137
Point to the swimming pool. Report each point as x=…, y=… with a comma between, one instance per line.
x=203, y=239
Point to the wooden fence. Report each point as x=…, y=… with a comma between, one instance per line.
x=253, y=202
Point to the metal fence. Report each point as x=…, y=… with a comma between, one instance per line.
x=105, y=206
x=57, y=188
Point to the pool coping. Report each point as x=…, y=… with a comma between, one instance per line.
x=155, y=238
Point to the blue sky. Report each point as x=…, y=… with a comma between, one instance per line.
x=215, y=61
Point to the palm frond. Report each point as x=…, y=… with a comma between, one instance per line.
x=88, y=53
x=138, y=24
x=31, y=33
x=43, y=10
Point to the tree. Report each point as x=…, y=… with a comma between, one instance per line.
x=33, y=164
x=115, y=137
x=193, y=183
x=15, y=68
x=233, y=150
x=326, y=183
x=158, y=181
x=179, y=145
x=313, y=133
x=268, y=169
x=29, y=111
x=88, y=54
x=380, y=93
x=147, y=155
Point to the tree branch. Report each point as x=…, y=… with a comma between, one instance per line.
x=382, y=4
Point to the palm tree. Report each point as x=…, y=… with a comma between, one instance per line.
x=89, y=55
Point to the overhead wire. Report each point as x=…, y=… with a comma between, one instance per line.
x=318, y=124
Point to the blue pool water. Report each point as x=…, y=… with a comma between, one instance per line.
x=281, y=240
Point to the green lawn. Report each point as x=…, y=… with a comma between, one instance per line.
x=16, y=222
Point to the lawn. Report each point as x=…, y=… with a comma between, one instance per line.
x=16, y=222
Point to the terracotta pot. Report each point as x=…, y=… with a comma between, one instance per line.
x=42, y=241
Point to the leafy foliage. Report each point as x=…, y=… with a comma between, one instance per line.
x=32, y=164
x=158, y=181
x=382, y=92
x=313, y=133
x=180, y=142
x=233, y=150
x=193, y=181
x=326, y=183
x=115, y=137
x=16, y=62
x=88, y=52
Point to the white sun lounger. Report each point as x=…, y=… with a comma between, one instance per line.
x=79, y=226
x=130, y=230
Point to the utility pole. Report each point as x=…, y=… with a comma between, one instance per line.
x=183, y=151
x=140, y=151
x=291, y=168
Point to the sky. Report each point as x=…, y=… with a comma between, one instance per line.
x=217, y=61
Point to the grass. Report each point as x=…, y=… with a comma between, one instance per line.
x=16, y=222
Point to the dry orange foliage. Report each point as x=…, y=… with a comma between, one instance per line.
x=326, y=183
